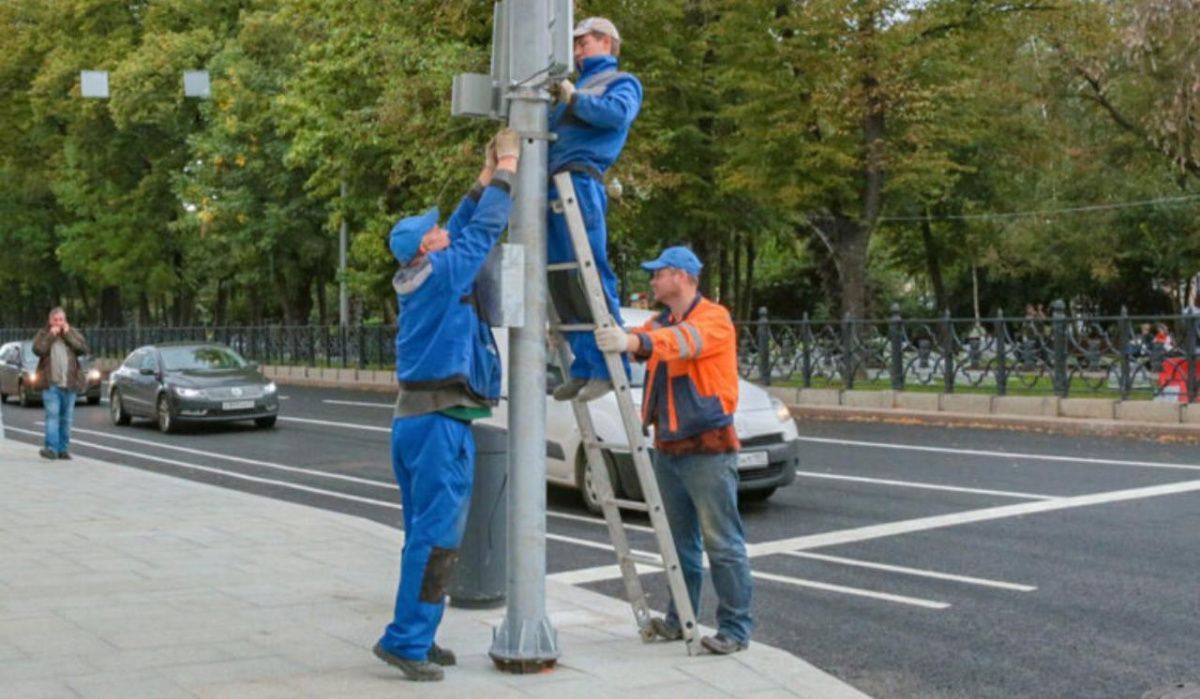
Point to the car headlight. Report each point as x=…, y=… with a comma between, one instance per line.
x=94, y=375
x=781, y=410
x=32, y=377
x=188, y=392
x=270, y=388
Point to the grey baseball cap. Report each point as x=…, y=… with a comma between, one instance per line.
x=597, y=25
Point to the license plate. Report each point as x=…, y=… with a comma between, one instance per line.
x=753, y=459
x=237, y=405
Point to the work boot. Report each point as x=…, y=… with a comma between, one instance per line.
x=723, y=645
x=66, y=456
x=415, y=670
x=664, y=630
x=569, y=389
x=47, y=454
x=442, y=656
x=593, y=390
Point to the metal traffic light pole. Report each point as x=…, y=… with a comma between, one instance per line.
x=531, y=44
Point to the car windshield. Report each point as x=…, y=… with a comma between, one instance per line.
x=27, y=353
x=189, y=358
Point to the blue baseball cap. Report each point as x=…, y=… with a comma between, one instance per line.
x=677, y=257
x=406, y=235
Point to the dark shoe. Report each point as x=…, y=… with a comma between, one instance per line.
x=442, y=656
x=593, y=390
x=47, y=454
x=665, y=631
x=568, y=390
x=415, y=670
x=64, y=455
x=723, y=646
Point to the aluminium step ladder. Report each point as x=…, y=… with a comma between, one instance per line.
x=597, y=310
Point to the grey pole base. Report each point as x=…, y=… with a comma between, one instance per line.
x=524, y=647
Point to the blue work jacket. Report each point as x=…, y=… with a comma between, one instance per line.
x=592, y=129
x=442, y=342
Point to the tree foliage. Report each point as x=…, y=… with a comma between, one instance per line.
x=822, y=156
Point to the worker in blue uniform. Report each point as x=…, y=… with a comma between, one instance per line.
x=448, y=370
x=591, y=121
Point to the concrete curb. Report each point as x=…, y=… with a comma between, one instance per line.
x=1185, y=433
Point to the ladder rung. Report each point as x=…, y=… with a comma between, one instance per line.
x=637, y=505
x=575, y=327
x=561, y=266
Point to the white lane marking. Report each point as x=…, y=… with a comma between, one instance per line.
x=237, y=459
x=915, y=571
x=879, y=531
x=389, y=485
x=228, y=474
x=855, y=591
x=357, y=403
x=331, y=423
x=601, y=522
x=583, y=576
x=646, y=557
x=926, y=486
x=1001, y=454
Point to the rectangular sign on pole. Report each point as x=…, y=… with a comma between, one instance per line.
x=196, y=84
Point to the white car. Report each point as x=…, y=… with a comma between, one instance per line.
x=768, y=459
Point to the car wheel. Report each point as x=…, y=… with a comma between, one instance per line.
x=756, y=495
x=23, y=396
x=583, y=480
x=164, y=416
x=268, y=421
x=116, y=409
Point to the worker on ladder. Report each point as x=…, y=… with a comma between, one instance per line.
x=691, y=394
x=591, y=122
x=448, y=369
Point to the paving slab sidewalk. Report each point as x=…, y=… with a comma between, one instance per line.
x=117, y=582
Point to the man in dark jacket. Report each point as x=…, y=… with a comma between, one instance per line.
x=59, y=378
x=448, y=370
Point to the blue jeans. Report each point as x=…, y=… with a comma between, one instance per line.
x=60, y=415
x=433, y=457
x=699, y=493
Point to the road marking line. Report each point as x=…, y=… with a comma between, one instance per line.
x=229, y=474
x=644, y=557
x=915, y=571
x=359, y=403
x=879, y=531
x=601, y=522
x=857, y=592
x=252, y=462
x=1001, y=454
x=389, y=485
x=927, y=486
x=331, y=423
x=584, y=576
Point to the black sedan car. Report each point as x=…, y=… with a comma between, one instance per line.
x=177, y=382
x=18, y=371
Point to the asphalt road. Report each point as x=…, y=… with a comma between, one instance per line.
x=910, y=561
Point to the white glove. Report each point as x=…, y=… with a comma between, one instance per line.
x=563, y=91
x=612, y=339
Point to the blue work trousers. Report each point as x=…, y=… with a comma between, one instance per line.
x=59, y=404
x=699, y=493
x=433, y=457
x=593, y=205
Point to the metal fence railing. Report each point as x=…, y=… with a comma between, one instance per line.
x=362, y=346
x=1119, y=356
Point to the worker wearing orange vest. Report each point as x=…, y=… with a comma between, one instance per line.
x=691, y=395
